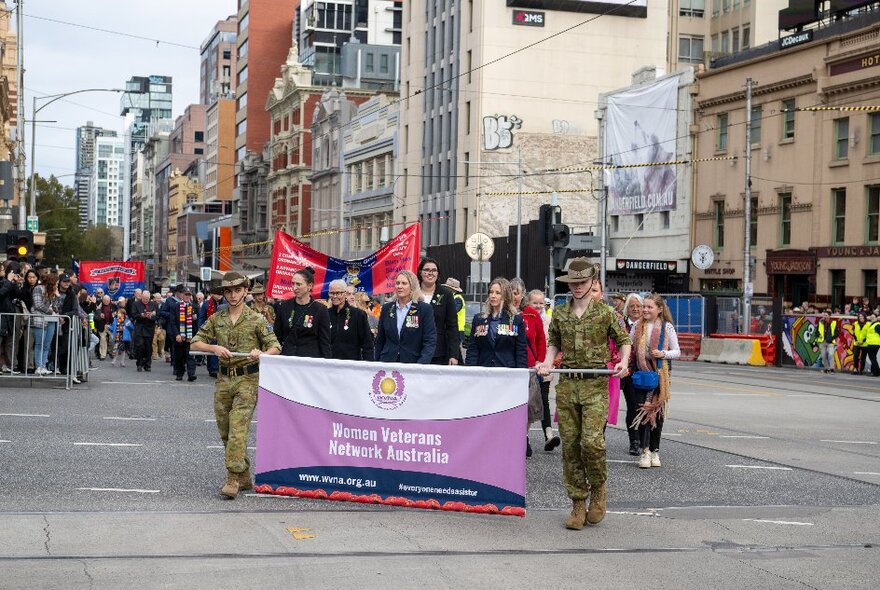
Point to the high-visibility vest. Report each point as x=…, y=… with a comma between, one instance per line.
x=460, y=301
x=873, y=337
x=860, y=331
x=833, y=334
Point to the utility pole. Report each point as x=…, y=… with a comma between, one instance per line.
x=747, y=216
x=603, y=256
x=519, y=197
x=554, y=200
x=19, y=109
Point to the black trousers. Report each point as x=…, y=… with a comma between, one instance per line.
x=860, y=354
x=181, y=359
x=545, y=397
x=143, y=350
x=632, y=407
x=649, y=437
x=872, y=355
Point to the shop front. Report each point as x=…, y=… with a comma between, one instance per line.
x=791, y=274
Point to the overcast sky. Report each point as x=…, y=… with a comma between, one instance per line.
x=61, y=57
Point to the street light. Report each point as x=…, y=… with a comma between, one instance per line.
x=52, y=98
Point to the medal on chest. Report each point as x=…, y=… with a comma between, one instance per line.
x=308, y=321
x=412, y=320
x=481, y=330
x=508, y=330
x=347, y=317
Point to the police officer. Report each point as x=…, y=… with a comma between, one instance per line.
x=236, y=328
x=580, y=330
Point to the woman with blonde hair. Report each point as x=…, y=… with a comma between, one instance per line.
x=655, y=343
x=406, y=332
x=632, y=313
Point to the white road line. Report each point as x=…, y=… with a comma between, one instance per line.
x=129, y=418
x=671, y=434
x=620, y=461
x=855, y=472
x=5, y=441
x=220, y=447
x=779, y=521
x=800, y=395
x=741, y=436
x=27, y=415
x=98, y=444
x=133, y=491
x=759, y=467
x=850, y=442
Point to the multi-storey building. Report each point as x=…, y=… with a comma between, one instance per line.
x=10, y=146
x=145, y=102
x=219, y=150
x=85, y=159
x=218, y=59
x=107, y=182
x=144, y=218
x=369, y=155
x=184, y=188
x=814, y=231
x=481, y=124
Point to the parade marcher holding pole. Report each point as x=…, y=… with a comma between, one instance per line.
x=580, y=330
x=303, y=324
x=406, y=333
x=236, y=329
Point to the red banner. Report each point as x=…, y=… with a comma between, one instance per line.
x=374, y=274
x=116, y=278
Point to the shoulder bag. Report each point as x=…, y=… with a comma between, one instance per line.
x=650, y=380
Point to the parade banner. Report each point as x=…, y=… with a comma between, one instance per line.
x=374, y=274
x=422, y=436
x=640, y=129
x=116, y=278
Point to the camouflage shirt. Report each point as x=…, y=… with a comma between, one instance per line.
x=584, y=341
x=267, y=311
x=249, y=332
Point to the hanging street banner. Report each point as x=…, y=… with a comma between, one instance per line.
x=374, y=274
x=420, y=436
x=116, y=278
x=640, y=129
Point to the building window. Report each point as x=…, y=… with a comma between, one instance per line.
x=838, y=209
x=788, y=107
x=873, y=213
x=199, y=136
x=753, y=222
x=227, y=54
x=841, y=138
x=838, y=287
x=383, y=63
x=715, y=44
x=874, y=139
x=664, y=219
x=690, y=49
x=757, y=114
x=199, y=151
x=467, y=168
x=640, y=221
x=746, y=37
x=725, y=41
x=381, y=171
x=716, y=4
x=721, y=133
x=693, y=8
x=467, y=118
x=369, y=63
x=615, y=224
x=869, y=279
x=719, y=223
x=243, y=75
x=785, y=219
x=242, y=102
x=734, y=40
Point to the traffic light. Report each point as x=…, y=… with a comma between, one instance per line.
x=561, y=235
x=20, y=245
x=548, y=216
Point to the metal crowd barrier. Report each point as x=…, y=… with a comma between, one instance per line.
x=68, y=357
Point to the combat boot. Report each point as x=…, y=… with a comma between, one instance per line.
x=578, y=516
x=597, y=504
x=244, y=481
x=231, y=487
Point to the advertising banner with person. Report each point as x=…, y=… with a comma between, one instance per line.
x=116, y=278
x=422, y=436
x=374, y=274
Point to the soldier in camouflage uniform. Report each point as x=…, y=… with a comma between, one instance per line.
x=580, y=330
x=237, y=328
x=261, y=306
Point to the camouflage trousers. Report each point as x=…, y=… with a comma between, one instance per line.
x=234, y=402
x=583, y=410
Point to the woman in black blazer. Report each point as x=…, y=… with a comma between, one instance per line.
x=406, y=326
x=498, y=335
x=448, y=351
x=350, y=334
x=302, y=324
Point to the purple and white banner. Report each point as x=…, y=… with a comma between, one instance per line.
x=424, y=436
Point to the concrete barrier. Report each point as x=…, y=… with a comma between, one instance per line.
x=737, y=352
x=710, y=350
x=756, y=358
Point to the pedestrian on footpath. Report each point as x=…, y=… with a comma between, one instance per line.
x=580, y=330
x=656, y=343
x=872, y=343
x=236, y=329
x=860, y=347
x=827, y=341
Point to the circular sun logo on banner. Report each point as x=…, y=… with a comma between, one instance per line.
x=388, y=390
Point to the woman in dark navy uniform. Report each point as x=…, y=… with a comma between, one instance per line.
x=498, y=335
x=302, y=324
x=448, y=350
x=407, y=333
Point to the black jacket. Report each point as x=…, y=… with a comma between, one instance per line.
x=307, y=334
x=144, y=325
x=350, y=334
x=446, y=322
x=508, y=349
x=9, y=292
x=417, y=338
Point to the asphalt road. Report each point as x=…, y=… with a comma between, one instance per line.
x=770, y=479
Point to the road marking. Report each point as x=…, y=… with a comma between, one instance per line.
x=221, y=447
x=98, y=444
x=129, y=418
x=671, y=434
x=855, y=472
x=850, y=442
x=633, y=513
x=214, y=420
x=300, y=533
x=620, y=461
x=779, y=521
x=801, y=395
x=741, y=436
x=5, y=441
x=27, y=415
x=133, y=491
x=759, y=467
